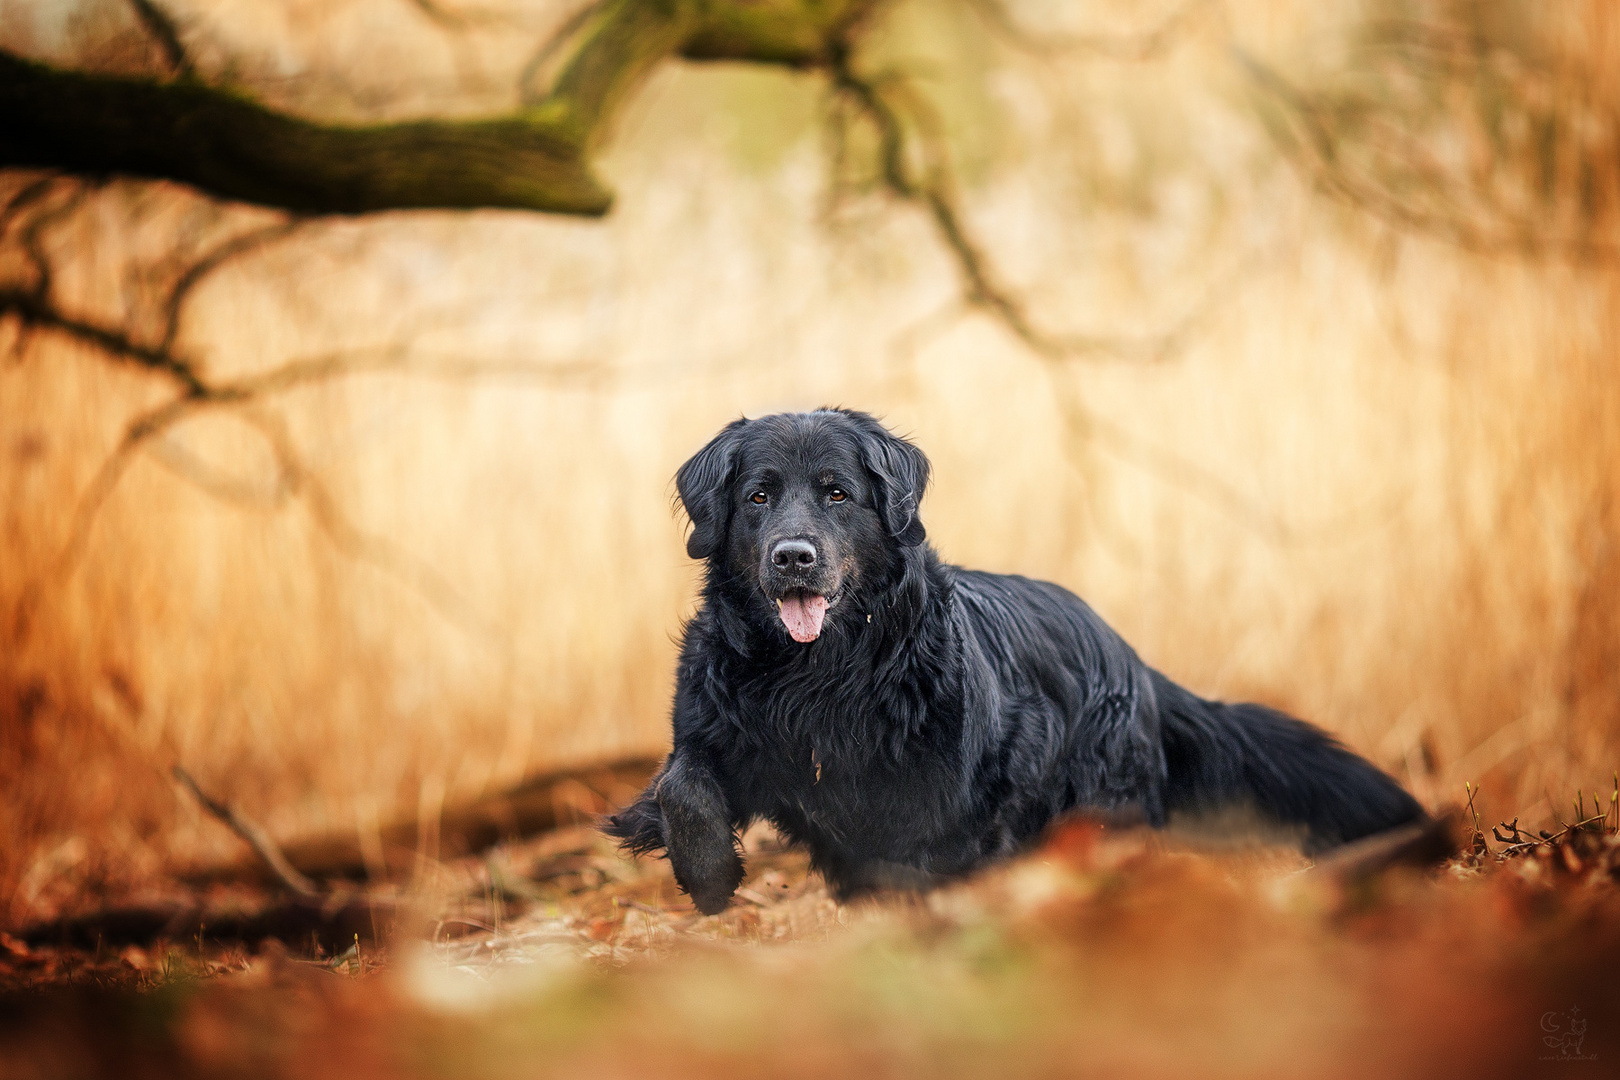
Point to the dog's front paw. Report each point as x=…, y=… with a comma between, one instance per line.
x=703, y=854
x=698, y=836
x=712, y=884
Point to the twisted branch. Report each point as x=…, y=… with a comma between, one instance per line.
x=242, y=244
x=934, y=189
x=35, y=308
x=1321, y=133
x=35, y=313
x=247, y=395
x=535, y=158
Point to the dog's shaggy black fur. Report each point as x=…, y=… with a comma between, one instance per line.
x=908, y=720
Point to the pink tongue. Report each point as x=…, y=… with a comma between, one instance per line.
x=802, y=615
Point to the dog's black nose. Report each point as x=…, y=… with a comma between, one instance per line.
x=793, y=555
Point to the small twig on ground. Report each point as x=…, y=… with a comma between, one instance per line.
x=1514, y=835
x=1545, y=839
x=1614, y=803
x=1477, y=844
x=250, y=831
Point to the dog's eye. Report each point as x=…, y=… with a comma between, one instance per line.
x=837, y=495
x=759, y=497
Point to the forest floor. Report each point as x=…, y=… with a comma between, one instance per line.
x=1115, y=952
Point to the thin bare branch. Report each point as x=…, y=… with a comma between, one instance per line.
x=357, y=543
x=166, y=32
x=549, y=49
x=33, y=233
x=913, y=338
x=26, y=196
x=1315, y=144
x=250, y=831
x=402, y=359
x=935, y=191
x=35, y=313
x=1185, y=475
x=1090, y=428
x=295, y=477
x=145, y=426
x=197, y=272
x=217, y=484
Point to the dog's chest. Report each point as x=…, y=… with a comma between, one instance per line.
x=851, y=780
x=833, y=801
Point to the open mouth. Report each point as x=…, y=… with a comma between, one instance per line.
x=802, y=613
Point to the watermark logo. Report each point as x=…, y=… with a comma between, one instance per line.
x=1563, y=1033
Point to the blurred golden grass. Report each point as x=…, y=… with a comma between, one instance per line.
x=1377, y=486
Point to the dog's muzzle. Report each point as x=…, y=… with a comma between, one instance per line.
x=794, y=578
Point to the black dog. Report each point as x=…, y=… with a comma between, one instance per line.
x=908, y=720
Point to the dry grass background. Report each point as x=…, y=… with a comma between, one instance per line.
x=1374, y=484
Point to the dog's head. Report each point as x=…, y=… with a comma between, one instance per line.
x=803, y=510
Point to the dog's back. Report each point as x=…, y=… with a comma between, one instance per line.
x=1102, y=731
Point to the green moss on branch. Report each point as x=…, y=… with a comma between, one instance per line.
x=533, y=159
x=228, y=145
x=798, y=33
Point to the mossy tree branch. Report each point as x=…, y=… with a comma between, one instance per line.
x=535, y=158
x=235, y=148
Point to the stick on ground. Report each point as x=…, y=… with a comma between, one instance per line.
x=249, y=830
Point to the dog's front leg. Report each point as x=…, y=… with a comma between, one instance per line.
x=697, y=832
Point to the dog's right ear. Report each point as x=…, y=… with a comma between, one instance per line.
x=702, y=484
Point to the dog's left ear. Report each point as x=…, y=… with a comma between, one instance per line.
x=899, y=476
x=702, y=483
